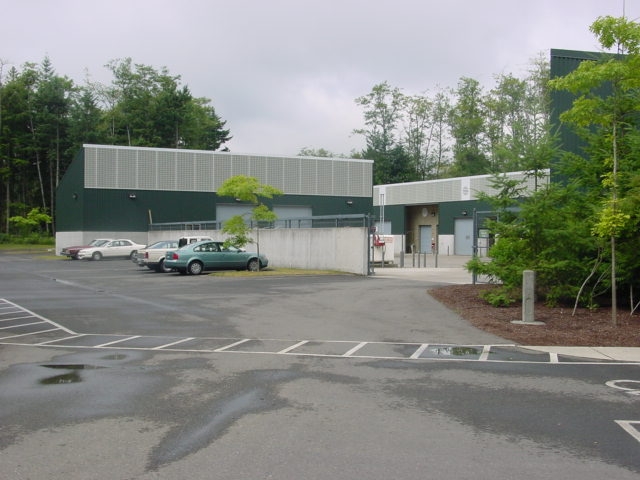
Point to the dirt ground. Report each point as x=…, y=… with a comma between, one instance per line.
x=585, y=328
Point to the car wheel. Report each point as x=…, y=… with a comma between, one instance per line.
x=195, y=268
x=133, y=254
x=162, y=268
x=253, y=265
x=96, y=256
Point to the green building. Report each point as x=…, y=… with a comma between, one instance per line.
x=120, y=192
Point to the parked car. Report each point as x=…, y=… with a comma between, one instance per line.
x=120, y=248
x=152, y=256
x=195, y=258
x=72, y=252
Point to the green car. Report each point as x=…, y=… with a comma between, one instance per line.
x=195, y=258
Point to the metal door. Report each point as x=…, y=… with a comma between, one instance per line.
x=425, y=238
x=463, y=236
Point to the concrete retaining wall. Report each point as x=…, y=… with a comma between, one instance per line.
x=341, y=249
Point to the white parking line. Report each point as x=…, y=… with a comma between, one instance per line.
x=23, y=324
x=27, y=334
x=627, y=427
x=489, y=354
x=160, y=347
x=355, y=349
x=419, y=351
x=222, y=349
x=50, y=342
x=14, y=318
x=37, y=316
x=293, y=347
x=117, y=341
x=484, y=356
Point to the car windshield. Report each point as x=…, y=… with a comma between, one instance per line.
x=163, y=244
x=98, y=243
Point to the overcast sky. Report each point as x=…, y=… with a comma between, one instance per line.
x=284, y=74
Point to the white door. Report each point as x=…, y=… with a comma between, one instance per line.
x=463, y=236
x=425, y=239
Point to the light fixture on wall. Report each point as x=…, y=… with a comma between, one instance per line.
x=75, y=196
x=349, y=203
x=464, y=213
x=132, y=196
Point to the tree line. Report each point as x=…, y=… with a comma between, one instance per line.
x=460, y=131
x=45, y=118
x=582, y=234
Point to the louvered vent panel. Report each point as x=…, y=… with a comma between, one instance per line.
x=341, y=178
x=203, y=178
x=291, y=177
x=127, y=169
x=147, y=170
x=223, y=169
x=107, y=171
x=240, y=165
x=308, y=174
x=258, y=168
x=90, y=167
x=185, y=170
x=166, y=171
x=324, y=178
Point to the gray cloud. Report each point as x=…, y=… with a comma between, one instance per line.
x=285, y=73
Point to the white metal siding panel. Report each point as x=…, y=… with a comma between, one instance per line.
x=446, y=190
x=112, y=167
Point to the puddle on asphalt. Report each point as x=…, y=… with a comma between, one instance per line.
x=451, y=351
x=73, y=377
x=65, y=378
x=115, y=356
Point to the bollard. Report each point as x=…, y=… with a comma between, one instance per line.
x=528, y=295
x=528, y=299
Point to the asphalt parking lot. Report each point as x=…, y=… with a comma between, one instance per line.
x=145, y=375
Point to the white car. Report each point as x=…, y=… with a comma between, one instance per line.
x=120, y=248
x=153, y=255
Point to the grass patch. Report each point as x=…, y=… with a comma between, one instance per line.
x=43, y=252
x=272, y=272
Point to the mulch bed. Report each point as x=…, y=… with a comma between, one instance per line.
x=585, y=328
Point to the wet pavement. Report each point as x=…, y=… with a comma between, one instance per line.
x=19, y=326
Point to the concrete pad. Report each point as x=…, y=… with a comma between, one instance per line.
x=622, y=354
x=625, y=354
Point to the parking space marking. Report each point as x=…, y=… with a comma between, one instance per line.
x=293, y=347
x=4, y=303
x=486, y=349
x=49, y=342
x=355, y=349
x=171, y=344
x=226, y=347
x=114, y=342
x=24, y=333
x=419, y=351
x=627, y=426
